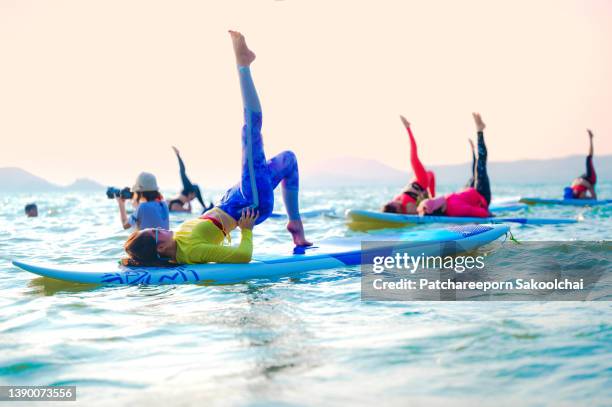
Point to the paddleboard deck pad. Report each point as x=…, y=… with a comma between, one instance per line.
x=327, y=254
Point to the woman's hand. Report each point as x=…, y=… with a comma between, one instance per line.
x=480, y=126
x=421, y=208
x=590, y=133
x=405, y=121
x=176, y=151
x=248, y=218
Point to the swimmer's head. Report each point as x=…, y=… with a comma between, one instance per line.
x=31, y=210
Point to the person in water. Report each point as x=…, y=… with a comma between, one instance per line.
x=31, y=210
x=475, y=199
x=421, y=187
x=182, y=203
x=583, y=187
x=150, y=208
x=245, y=204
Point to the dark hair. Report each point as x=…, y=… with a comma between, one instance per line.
x=30, y=207
x=191, y=189
x=142, y=251
x=149, y=196
x=390, y=208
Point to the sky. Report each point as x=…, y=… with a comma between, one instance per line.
x=102, y=89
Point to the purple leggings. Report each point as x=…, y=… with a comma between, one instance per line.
x=259, y=176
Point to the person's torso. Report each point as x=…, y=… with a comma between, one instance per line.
x=153, y=215
x=468, y=197
x=194, y=232
x=412, y=195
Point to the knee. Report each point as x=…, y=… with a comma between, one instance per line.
x=289, y=157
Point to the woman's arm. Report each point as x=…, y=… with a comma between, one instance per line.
x=212, y=253
x=123, y=214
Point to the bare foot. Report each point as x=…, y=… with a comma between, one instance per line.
x=244, y=56
x=296, y=228
x=480, y=125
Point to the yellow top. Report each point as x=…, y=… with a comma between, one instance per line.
x=200, y=241
x=224, y=219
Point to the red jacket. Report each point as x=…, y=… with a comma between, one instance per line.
x=467, y=203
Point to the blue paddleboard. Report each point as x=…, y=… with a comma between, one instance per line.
x=575, y=202
x=360, y=219
x=507, y=207
x=327, y=254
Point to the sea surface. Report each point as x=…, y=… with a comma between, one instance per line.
x=304, y=340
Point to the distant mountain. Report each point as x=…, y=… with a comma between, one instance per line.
x=14, y=179
x=350, y=171
x=85, y=184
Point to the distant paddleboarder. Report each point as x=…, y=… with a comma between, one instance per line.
x=583, y=187
x=474, y=200
x=182, y=203
x=422, y=186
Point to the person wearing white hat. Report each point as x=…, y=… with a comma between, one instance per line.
x=150, y=208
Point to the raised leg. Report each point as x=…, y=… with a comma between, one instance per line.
x=417, y=167
x=473, y=175
x=481, y=181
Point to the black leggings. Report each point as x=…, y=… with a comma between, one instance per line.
x=187, y=185
x=480, y=178
x=590, y=174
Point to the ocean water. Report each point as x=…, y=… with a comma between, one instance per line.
x=305, y=340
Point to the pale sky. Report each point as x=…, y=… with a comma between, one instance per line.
x=102, y=89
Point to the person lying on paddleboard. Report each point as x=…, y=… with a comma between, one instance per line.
x=475, y=199
x=422, y=186
x=583, y=187
x=150, y=208
x=247, y=203
x=182, y=203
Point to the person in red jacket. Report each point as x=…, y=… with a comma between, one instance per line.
x=421, y=187
x=473, y=201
